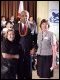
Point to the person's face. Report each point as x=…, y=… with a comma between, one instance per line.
x=10, y=35
x=9, y=26
x=3, y=19
x=31, y=18
x=23, y=17
x=44, y=26
x=12, y=18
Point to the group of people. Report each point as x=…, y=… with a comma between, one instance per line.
x=17, y=46
x=19, y=41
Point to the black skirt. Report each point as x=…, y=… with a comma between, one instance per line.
x=43, y=66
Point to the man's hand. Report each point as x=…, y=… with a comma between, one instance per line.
x=9, y=56
x=32, y=51
x=16, y=56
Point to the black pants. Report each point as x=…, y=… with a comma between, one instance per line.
x=25, y=67
x=33, y=62
x=8, y=68
x=44, y=64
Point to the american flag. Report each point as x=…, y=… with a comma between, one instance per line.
x=21, y=8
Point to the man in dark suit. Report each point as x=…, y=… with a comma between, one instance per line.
x=33, y=28
x=25, y=61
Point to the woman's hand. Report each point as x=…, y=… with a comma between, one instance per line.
x=53, y=66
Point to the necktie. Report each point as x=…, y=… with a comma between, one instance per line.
x=24, y=27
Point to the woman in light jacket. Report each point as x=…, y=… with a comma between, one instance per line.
x=46, y=53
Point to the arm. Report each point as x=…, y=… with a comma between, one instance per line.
x=54, y=52
x=34, y=49
x=54, y=56
x=9, y=56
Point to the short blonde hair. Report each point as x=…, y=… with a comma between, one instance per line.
x=8, y=31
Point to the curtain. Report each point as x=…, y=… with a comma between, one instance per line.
x=9, y=8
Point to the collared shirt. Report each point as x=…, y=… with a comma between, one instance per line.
x=3, y=23
x=45, y=43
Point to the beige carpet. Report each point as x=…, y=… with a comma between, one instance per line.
x=56, y=74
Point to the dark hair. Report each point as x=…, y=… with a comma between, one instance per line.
x=8, y=22
x=43, y=21
x=2, y=16
x=30, y=16
x=48, y=25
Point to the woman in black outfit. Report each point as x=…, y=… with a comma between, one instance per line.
x=10, y=51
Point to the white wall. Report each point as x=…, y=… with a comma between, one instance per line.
x=43, y=13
